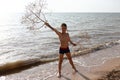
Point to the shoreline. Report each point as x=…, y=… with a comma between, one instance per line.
x=88, y=71
x=49, y=71
x=15, y=67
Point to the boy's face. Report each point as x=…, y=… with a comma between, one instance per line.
x=64, y=29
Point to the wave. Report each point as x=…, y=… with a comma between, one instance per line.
x=97, y=47
x=17, y=66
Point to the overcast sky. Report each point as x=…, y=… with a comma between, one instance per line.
x=11, y=6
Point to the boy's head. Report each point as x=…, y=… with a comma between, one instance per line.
x=64, y=27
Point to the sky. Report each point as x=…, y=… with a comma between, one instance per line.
x=12, y=6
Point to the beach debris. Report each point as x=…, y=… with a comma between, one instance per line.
x=112, y=75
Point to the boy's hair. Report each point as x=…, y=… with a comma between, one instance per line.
x=63, y=24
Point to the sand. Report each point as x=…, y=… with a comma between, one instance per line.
x=94, y=68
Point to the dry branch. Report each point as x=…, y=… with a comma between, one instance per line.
x=34, y=15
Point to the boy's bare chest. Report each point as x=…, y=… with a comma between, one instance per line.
x=64, y=37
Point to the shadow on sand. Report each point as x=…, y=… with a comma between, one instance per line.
x=85, y=77
x=65, y=77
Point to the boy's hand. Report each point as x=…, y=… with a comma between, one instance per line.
x=47, y=24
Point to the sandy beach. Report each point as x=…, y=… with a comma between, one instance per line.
x=94, y=68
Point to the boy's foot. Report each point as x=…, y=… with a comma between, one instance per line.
x=59, y=75
x=75, y=70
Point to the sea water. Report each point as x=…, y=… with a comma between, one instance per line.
x=18, y=43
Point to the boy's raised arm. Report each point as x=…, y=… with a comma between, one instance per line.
x=56, y=31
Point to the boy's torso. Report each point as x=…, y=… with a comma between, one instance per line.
x=64, y=39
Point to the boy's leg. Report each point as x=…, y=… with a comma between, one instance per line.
x=70, y=60
x=60, y=64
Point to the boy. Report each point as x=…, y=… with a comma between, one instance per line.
x=64, y=46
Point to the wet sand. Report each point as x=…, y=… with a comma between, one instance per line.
x=92, y=69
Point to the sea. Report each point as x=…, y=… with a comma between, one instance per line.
x=19, y=43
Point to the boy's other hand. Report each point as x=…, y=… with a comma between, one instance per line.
x=74, y=44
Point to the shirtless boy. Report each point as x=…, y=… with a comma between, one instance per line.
x=64, y=46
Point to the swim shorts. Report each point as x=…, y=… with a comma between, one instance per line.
x=64, y=50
